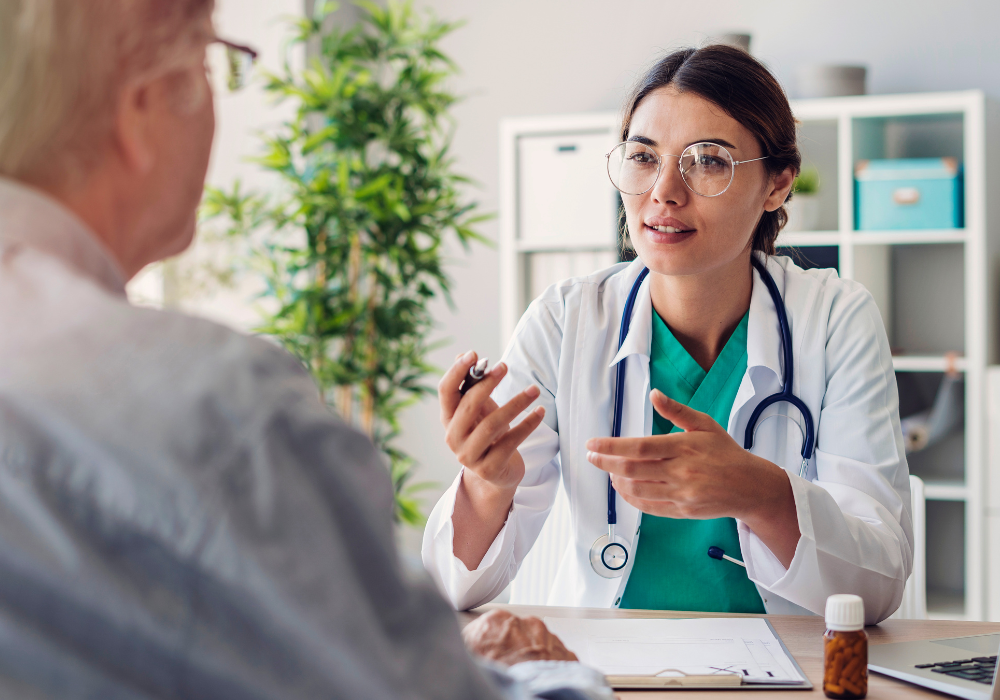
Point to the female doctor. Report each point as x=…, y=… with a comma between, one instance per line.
x=682, y=357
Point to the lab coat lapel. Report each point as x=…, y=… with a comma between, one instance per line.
x=764, y=357
x=637, y=412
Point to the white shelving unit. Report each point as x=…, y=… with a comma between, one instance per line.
x=937, y=289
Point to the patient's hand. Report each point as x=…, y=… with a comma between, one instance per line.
x=508, y=639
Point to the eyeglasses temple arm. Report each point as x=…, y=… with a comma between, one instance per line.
x=238, y=47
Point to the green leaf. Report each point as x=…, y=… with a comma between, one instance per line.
x=349, y=247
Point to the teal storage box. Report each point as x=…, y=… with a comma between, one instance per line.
x=908, y=193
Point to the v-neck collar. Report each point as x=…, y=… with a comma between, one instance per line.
x=689, y=371
x=703, y=384
x=763, y=342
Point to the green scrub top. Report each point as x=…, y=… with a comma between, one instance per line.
x=672, y=569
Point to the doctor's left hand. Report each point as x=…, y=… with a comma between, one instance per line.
x=699, y=474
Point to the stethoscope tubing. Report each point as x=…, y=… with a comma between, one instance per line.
x=809, y=440
x=616, y=424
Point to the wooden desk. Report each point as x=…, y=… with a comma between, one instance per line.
x=802, y=635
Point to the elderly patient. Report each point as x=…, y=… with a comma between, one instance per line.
x=180, y=516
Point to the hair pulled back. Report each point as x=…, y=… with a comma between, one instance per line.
x=743, y=88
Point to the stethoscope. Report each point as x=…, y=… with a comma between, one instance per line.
x=609, y=555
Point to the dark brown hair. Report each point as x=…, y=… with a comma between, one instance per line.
x=744, y=89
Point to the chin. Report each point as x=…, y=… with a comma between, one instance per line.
x=181, y=242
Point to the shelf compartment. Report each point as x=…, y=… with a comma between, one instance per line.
x=945, y=605
x=813, y=257
x=913, y=136
x=542, y=269
x=818, y=144
x=946, y=549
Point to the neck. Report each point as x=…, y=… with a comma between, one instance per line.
x=703, y=310
x=97, y=206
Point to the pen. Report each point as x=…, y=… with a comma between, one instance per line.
x=475, y=375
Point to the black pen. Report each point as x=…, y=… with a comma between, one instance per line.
x=475, y=375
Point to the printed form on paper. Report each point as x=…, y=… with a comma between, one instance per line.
x=705, y=646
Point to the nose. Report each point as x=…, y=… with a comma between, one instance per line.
x=669, y=187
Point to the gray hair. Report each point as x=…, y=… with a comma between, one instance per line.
x=63, y=64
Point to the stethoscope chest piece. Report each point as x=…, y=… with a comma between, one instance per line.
x=609, y=557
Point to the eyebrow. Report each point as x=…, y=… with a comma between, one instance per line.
x=646, y=141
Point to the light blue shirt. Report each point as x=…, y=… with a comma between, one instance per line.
x=182, y=517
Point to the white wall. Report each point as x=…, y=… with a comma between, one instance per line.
x=552, y=56
x=240, y=117
x=527, y=57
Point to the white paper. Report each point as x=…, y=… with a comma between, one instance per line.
x=705, y=646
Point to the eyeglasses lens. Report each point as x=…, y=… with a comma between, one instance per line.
x=240, y=63
x=707, y=169
x=633, y=167
x=230, y=67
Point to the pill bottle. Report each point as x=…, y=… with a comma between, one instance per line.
x=845, y=648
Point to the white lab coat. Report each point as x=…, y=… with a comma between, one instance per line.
x=853, y=503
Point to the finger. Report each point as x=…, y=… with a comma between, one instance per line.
x=684, y=417
x=663, y=509
x=646, y=469
x=448, y=394
x=501, y=450
x=653, y=491
x=497, y=423
x=651, y=447
x=537, y=628
x=470, y=407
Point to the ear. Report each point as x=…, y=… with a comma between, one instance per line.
x=780, y=186
x=134, y=127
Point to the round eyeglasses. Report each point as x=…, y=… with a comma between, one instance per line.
x=233, y=63
x=706, y=168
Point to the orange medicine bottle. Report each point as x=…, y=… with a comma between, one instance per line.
x=845, y=648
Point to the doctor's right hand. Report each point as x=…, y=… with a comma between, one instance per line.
x=478, y=431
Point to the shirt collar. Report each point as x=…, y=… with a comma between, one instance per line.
x=32, y=219
x=640, y=332
x=763, y=334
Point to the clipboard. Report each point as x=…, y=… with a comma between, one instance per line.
x=713, y=682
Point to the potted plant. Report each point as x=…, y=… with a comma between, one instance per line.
x=803, y=207
x=352, y=250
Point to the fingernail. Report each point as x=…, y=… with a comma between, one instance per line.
x=469, y=356
x=540, y=411
x=590, y=456
x=532, y=391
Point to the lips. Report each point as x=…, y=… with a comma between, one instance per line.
x=668, y=224
x=667, y=230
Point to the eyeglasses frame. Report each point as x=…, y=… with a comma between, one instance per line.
x=659, y=167
x=252, y=53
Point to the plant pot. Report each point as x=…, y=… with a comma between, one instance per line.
x=803, y=213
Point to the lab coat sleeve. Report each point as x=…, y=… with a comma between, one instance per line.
x=854, y=516
x=532, y=358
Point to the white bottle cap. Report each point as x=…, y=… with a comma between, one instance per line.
x=845, y=613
